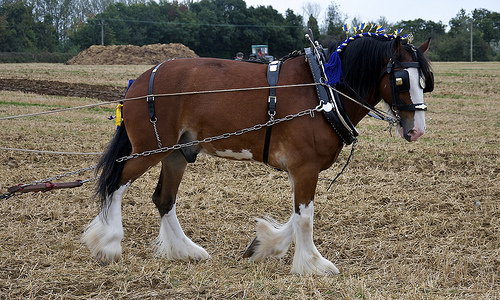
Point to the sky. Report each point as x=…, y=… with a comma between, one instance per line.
x=371, y=10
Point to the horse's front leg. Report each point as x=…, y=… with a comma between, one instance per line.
x=273, y=239
x=307, y=259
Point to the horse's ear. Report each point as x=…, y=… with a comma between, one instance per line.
x=425, y=46
x=396, y=47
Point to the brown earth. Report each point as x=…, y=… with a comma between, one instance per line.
x=99, y=55
x=131, y=55
x=57, y=88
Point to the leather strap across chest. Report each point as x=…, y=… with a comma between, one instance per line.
x=332, y=107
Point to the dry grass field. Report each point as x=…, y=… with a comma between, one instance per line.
x=405, y=221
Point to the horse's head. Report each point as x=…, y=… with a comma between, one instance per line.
x=403, y=84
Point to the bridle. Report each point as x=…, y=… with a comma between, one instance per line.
x=397, y=71
x=399, y=79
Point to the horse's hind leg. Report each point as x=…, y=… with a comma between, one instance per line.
x=171, y=242
x=104, y=234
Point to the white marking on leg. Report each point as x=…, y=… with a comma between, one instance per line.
x=104, y=234
x=307, y=259
x=273, y=238
x=244, y=154
x=173, y=244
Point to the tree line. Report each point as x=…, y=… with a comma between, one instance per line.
x=220, y=28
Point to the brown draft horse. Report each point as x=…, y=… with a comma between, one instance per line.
x=303, y=146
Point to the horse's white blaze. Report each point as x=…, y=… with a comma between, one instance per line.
x=307, y=259
x=104, y=234
x=417, y=97
x=244, y=154
x=173, y=244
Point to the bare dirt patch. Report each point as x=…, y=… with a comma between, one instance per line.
x=57, y=88
x=95, y=55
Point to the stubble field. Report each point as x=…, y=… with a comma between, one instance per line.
x=405, y=221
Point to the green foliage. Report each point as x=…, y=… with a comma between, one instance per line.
x=20, y=32
x=335, y=20
x=312, y=24
x=27, y=57
x=219, y=28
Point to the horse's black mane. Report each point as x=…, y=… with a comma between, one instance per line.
x=363, y=62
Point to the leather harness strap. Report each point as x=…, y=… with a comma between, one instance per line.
x=151, y=98
x=273, y=71
x=332, y=107
x=151, y=104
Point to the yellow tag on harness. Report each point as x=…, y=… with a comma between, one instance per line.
x=118, y=118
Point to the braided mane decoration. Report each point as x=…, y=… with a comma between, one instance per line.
x=333, y=69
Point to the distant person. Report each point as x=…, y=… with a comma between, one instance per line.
x=260, y=55
x=239, y=56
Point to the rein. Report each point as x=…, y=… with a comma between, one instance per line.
x=386, y=117
x=157, y=95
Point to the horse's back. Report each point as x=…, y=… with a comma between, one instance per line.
x=222, y=96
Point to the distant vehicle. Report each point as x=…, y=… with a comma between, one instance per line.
x=261, y=52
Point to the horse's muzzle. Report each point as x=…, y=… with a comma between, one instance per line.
x=411, y=135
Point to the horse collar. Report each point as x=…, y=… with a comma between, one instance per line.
x=329, y=98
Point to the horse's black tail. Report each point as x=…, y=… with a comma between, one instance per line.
x=109, y=168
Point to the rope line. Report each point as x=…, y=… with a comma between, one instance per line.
x=383, y=115
x=158, y=95
x=50, y=152
x=57, y=110
x=386, y=116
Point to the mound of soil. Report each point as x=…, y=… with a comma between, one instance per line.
x=130, y=55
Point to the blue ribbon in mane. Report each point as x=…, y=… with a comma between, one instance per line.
x=333, y=68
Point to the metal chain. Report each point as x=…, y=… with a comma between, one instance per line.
x=7, y=196
x=309, y=111
x=67, y=174
x=156, y=133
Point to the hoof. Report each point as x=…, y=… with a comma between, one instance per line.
x=251, y=248
x=103, y=241
x=313, y=264
x=182, y=249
